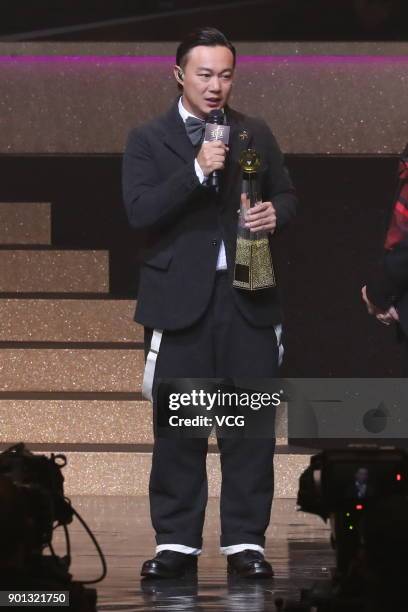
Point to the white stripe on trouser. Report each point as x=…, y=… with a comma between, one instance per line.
x=150, y=366
x=281, y=350
x=148, y=376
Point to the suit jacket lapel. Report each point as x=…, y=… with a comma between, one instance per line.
x=175, y=136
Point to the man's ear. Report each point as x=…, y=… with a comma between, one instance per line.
x=179, y=74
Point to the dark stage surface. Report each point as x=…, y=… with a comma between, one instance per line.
x=322, y=260
x=297, y=546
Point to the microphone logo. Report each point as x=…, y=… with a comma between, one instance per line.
x=217, y=133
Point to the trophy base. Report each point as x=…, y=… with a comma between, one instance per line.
x=253, y=265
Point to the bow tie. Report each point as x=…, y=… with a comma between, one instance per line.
x=195, y=129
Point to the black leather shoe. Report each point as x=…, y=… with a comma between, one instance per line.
x=170, y=564
x=249, y=564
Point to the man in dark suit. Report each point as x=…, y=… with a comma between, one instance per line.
x=386, y=293
x=196, y=323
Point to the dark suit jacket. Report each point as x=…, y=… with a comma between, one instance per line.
x=186, y=222
x=389, y=283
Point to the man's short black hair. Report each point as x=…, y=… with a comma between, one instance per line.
x=209, y=37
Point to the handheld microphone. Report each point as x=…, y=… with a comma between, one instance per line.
x=215, y=129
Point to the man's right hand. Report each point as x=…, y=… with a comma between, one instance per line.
x=211, y=156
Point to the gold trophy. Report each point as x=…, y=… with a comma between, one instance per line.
x=253, y=261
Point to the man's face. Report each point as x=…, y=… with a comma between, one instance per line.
x=208, y=74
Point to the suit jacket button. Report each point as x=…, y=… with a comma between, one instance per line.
x=214, y=242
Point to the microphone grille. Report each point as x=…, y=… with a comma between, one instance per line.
x=216, y=116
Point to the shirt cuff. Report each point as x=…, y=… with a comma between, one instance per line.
x=199, y=172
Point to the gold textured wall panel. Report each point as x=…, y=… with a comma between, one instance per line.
x=95, y=473
x=25, y=223
x=348, y=98
x=49, y=369
x=54, y=271
x=68, y=320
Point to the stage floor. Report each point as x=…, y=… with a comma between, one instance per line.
x=297, y=546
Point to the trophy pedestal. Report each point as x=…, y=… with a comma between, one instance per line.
x=253, y=265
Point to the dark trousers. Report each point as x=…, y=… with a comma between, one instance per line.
x=220, y=345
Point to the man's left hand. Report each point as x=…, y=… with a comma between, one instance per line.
x=388, y=317
x=383, y=316
x=261, y=217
